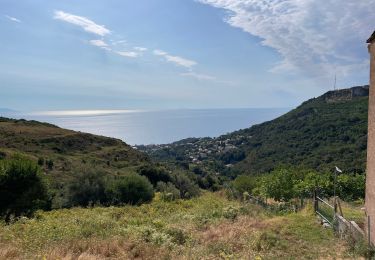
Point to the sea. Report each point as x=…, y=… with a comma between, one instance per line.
x=137, y=127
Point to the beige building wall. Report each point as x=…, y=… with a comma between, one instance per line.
x=370, y=177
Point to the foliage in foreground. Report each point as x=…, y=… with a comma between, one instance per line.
x=92, y=187
x=284, y=184
x=22, y=188
x=206, y=227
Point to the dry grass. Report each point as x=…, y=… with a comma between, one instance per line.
x=209, y=227
x=116, y=248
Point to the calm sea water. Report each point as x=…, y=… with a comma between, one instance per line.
x=155, y=127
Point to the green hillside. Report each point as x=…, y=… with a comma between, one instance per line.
x=320, y=133
x=65, y=154
x=316, y=134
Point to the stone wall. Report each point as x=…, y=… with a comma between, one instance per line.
x=348, y=228
x=346, y=94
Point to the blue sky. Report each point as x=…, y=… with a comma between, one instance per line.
x=160, y=54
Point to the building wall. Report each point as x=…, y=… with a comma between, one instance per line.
x=370, y=178
x=346, y=94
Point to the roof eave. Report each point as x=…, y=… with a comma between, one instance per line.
x=372, y=38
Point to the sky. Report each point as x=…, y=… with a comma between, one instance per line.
x=168, y=54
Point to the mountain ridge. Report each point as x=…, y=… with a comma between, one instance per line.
x=321, y=132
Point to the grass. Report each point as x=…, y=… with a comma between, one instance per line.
x=353, y=211
x=207, y=227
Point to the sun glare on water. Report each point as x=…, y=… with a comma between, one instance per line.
x=82, y=112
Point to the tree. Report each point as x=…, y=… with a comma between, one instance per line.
x=314, y=181
x=351, y=187
x=279, y=185
x=22, y=188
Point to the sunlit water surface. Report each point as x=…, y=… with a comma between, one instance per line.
x=154, y=127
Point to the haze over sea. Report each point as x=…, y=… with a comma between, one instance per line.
x=154, y=127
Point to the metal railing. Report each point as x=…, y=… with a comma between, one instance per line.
x=325, y=210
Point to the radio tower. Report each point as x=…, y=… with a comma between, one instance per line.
x=334, y=84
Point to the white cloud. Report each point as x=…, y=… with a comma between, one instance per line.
x=316, y=37
x=140, y=49
x=198, y=76
x=160, y=53
x=14, y=19
x=129, y=54
x=180, y=61
x=118, y=42
x=98, y=43
x=83, y=22
x=176, y=59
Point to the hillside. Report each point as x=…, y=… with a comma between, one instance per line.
x=64, y=154
x=320, y=133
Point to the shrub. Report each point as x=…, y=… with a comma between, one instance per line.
x=50, y=164
x=154, y=175
x=88, y=188
x=178, y=236
x=243, y=184
x=187, y=187
x=22, y=188
x=40, y=161
x=230, y=213
x=208, y=182
x=168, y=191
x=131, y=189
x=3, y=155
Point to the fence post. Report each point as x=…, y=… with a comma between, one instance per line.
x=368, y=231
x=335, y=204
x=315, y=201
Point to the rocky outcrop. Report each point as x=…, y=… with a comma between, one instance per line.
x=346, y=94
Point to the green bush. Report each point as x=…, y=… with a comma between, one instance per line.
x=155, y=174
x=131, y=189
x=50, y=164
x=287, y=183
x=244, y=183
x=88, y=188
x=168, y=191
x=40, y=161
x=186, y=186
x=351, y=187
x=208, y=181
x=22, y=188
x=280, y=185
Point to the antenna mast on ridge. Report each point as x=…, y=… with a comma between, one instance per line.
x=334, y=84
